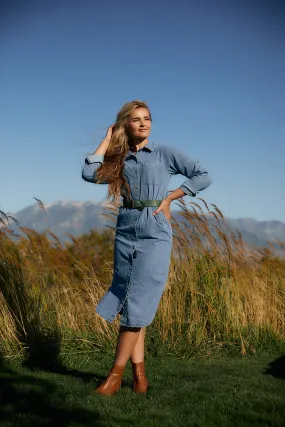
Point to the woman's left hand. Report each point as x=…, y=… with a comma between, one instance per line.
x=165, y=208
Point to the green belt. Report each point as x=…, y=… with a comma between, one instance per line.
x=140, y=204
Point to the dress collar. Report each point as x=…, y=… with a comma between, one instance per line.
x=149, y=146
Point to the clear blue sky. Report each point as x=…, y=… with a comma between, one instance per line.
x=212, y=75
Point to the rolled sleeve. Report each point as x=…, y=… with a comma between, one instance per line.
x=91, y=165
x=198, y=178
x=94, y=158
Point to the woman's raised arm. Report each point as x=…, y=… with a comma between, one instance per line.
x=94, y=161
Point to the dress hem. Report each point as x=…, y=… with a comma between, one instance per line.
x=135, y=326
x=121, y=323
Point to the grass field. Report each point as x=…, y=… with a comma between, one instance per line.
x=235, y=391
x=220, y=296
x=219, y=324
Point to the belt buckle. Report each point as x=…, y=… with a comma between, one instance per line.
x=132, y=203
x=140, y=208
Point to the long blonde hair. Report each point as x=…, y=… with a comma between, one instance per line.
x=112, y=168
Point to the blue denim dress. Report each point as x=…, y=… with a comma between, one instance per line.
x=143, y=241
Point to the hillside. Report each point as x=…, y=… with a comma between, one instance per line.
x=76, y=218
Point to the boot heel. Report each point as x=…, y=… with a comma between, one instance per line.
x=140, y=382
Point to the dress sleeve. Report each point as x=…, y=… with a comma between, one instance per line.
x=197, y=176
x=91, y=164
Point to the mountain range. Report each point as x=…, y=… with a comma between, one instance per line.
x=76, y=218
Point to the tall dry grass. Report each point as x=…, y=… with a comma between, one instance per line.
x=220, y=293
x=220, y=296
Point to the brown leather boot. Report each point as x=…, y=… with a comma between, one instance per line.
x=112, y=382
x=140, y=384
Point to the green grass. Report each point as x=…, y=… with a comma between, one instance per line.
x=228, y=391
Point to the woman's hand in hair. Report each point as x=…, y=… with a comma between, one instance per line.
x=109, y=133
x=103, y=147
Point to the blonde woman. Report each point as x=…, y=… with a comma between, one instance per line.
x=139, y=170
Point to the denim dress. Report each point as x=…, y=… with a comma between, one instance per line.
x=143, y=242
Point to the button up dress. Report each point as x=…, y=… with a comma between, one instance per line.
x=143, y=241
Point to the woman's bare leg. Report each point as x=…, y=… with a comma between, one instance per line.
x=127, y=340
x=137, y=355
x=126, y=343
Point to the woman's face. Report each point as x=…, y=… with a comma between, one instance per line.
x=139, y=124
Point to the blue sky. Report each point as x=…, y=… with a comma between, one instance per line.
x=212, y=75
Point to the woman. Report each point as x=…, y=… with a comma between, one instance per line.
x=139, y=170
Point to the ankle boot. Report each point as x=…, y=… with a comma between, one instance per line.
x=140, y=384
x=112, y=382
